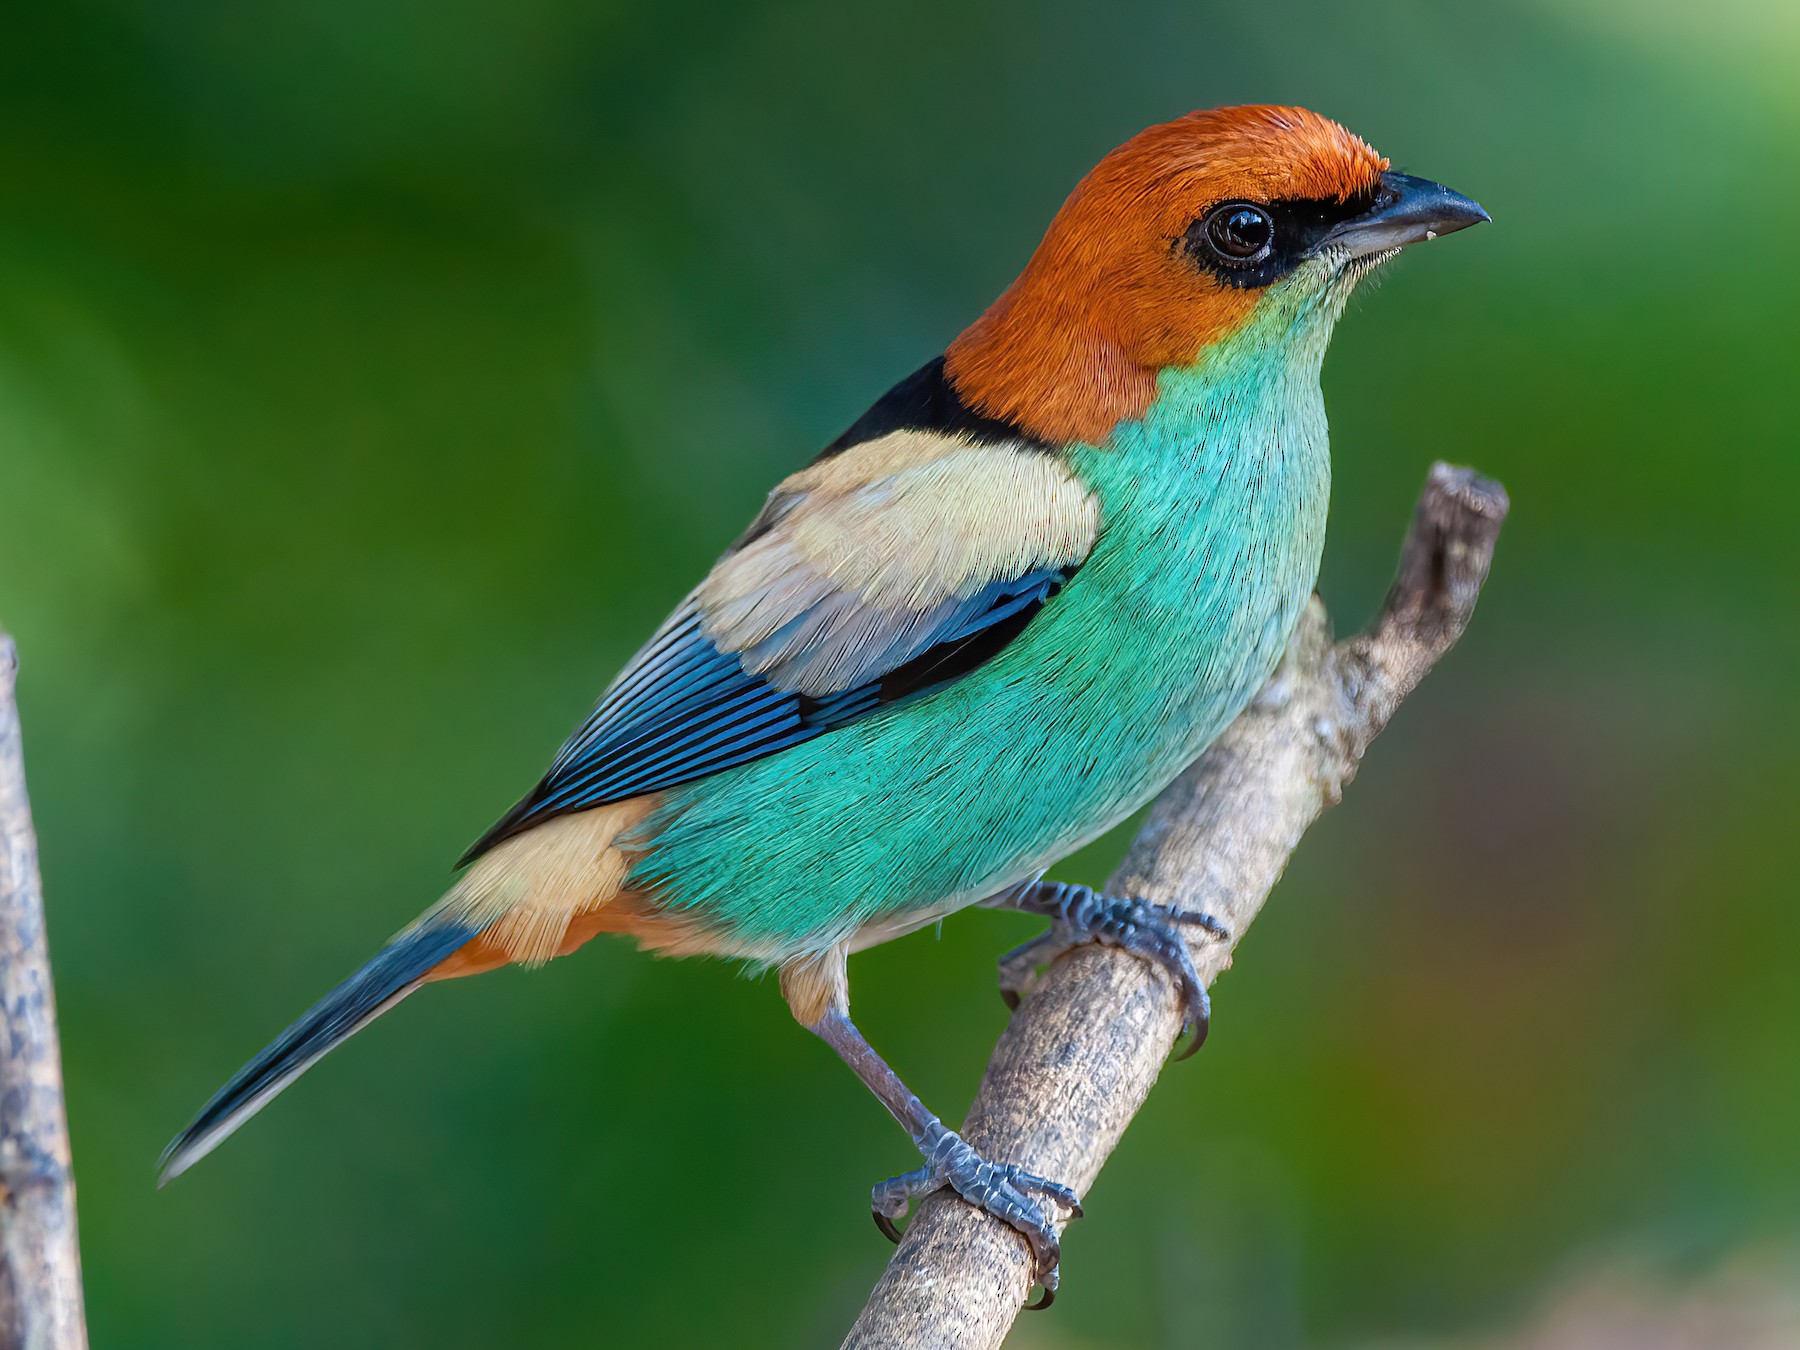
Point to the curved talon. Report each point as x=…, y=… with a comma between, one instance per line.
x=1144, y=928
x=889, y=1201
x=1196, y=1034
x=1004, y=1190
x=1196, y=1006
x=1018, y=968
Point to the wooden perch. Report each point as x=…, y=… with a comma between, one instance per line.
x=1080, y=1055
x=40, y=1267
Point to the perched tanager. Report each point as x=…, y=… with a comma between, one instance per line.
x=986, y=624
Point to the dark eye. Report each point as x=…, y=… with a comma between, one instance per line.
x=1238, y=234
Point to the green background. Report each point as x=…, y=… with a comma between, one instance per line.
x=374, y=374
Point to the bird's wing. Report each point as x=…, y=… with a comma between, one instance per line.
x=892, y=567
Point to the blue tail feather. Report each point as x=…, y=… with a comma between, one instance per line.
x=393, y=974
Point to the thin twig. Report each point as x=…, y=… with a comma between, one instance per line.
x=40, y=1265
x=1080, y=1056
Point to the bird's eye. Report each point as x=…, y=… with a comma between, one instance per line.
x=1239, y=234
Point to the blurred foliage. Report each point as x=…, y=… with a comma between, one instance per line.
x=1751, y=1302
x=374, y=375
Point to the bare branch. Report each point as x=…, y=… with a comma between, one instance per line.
x=1080, y=1056
x=40, y=1266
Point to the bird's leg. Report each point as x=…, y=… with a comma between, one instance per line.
x=1080, y=914
x=1010, y=1194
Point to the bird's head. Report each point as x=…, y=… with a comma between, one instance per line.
x=1172, y=244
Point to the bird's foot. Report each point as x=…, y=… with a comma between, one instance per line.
x=1142, y=927
x=1005, y=1190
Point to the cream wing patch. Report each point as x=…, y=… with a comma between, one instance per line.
x=865, y=556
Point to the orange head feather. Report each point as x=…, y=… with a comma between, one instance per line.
x=1112, y=296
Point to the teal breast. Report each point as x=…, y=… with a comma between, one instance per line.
x=1212, y=521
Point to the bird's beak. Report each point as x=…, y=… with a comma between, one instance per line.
x=1406, y=210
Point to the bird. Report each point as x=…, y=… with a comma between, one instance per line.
x=989, y=621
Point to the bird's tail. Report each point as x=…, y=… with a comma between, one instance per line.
x=397, y=970
x=529, y=898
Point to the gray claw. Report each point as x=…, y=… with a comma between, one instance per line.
x=1019, y=967
x=1142, y=927
x=1004, y=1190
